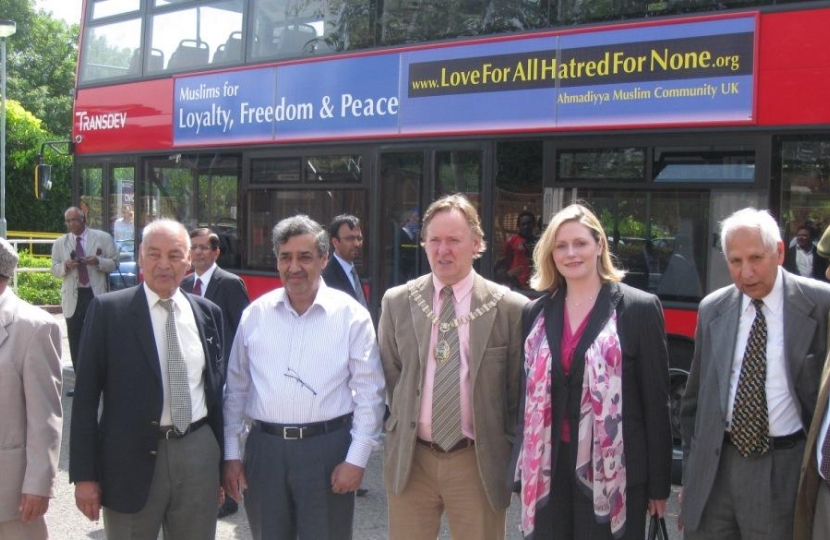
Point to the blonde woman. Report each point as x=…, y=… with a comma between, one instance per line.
x=593, y=452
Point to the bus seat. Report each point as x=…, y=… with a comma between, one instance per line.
x=189, y=54
x=156, y=62
x=294, y=37
x=135, y=63
x=219, y=55
x=233, y=47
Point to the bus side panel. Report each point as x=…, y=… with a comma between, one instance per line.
x=794, y=68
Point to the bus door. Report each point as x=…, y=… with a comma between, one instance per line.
x=409, y=181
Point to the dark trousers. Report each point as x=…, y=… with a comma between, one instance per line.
x=75, y=323
x=289, y=492
x=570, y=512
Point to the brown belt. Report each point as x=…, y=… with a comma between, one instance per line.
x=461, y=445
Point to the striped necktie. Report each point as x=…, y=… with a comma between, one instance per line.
x=446, y=388
x=358, y=287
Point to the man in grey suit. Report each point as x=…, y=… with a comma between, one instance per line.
x=30, y=371
x=83, y=258
x=453, y=386
x=759, y=350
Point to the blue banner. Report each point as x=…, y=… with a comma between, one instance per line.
x=639, y=75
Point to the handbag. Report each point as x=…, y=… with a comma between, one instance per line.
x=657, y=529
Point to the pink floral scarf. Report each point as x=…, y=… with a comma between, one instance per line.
x=600, y=468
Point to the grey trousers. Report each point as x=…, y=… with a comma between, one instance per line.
x=752, y=498
x=184, y=493
x=289, y=492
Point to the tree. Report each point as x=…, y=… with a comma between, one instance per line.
x=41, y=64
x=24, y=136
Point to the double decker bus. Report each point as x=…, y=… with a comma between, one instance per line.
x=665, y=117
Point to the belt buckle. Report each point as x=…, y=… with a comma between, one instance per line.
x=170, y=433
x=287, y=433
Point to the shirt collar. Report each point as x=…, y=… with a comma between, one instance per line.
x=347, y=266
x=461, y=289
x=206, y=276
x=774, y=300
x=152, y=298
x=322, y=299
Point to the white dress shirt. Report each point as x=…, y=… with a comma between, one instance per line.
x=192, y=350
x=204, y=278
x=331, y=349
x=784, y=418
x=804, y=262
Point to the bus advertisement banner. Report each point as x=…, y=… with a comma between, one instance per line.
x=698, y=72
x=682, y=73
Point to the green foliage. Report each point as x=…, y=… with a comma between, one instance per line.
x=24, y=136
x=39, y=288
x=41, y=64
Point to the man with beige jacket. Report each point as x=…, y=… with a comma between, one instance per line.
x=30, y=401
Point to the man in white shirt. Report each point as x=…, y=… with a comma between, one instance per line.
x=759, y=350
x=305, y=369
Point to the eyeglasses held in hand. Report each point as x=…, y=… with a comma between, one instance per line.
x=291, y=374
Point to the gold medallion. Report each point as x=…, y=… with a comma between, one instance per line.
x=442, y=351
x=444, y=327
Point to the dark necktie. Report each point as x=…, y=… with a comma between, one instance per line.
x=176, y=373
x=825, y=456
x=83, y=271
x=446, y=388
x=750, y=417
x=197, y=287
x=358, y=288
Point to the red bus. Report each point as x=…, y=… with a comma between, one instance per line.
x=664, y=116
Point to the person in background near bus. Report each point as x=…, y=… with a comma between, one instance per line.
x=146, y=435
x=760, y=346
x=124, y=228
x=408, y=244
x=812, y=505
x=595, y=449
x=347, y=242
x=30, y=372
x=516, y=262
x=83, y=258
x=450, y=343
x=802, y=259
x=224, y=289
x=305, y=368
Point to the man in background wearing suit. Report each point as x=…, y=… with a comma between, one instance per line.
x=759, y=350
x=802, y=259
x=30, y=369
x=347, y=242
x=83, y=258
x=451, y=347
x=154, y=355
x=224, y=289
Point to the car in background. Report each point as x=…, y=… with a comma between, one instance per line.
x=126, y=272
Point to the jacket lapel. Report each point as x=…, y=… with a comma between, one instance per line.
x=211, y=341
x=723, y=328
x=7, y=310
x=608, y=298
x=799, y=327
x=481, y=328
x=143, y=328
x=420, y=322
x=554, y=318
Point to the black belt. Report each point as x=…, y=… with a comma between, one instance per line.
x=776, y=443
x=303, y=431
x=460, y=445
x=169, y=432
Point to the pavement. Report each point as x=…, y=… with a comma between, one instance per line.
x=66, y=522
